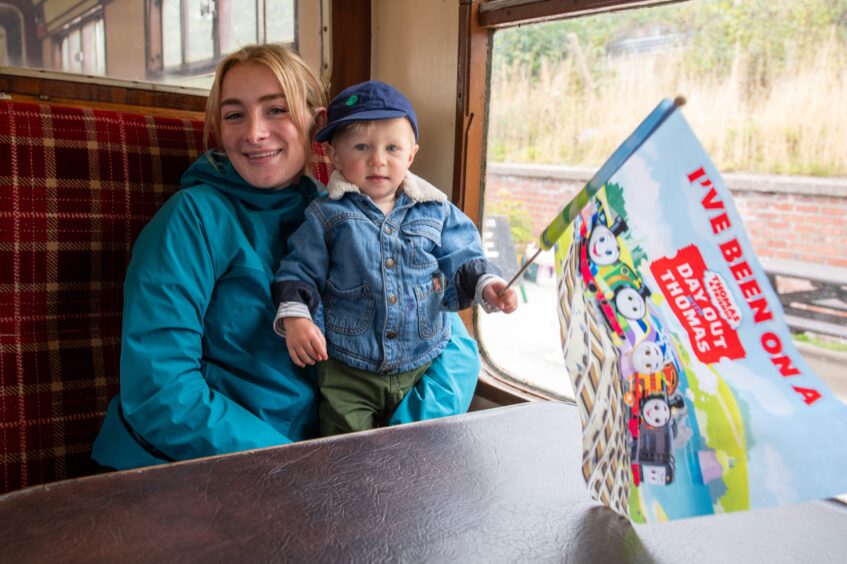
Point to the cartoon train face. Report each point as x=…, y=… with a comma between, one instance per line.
x=603, y=246
x=647, y=357
x=652, y=399
x=655, y=412
x=653, y=370
x=619, y=291
x=651, y=447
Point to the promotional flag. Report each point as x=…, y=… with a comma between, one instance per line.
x=692, y=395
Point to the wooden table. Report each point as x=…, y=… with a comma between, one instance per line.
x=501, y=485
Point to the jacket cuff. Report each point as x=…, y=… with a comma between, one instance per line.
x=467, y=279
x=484, y=281
x=289, y=309
x=296, y=291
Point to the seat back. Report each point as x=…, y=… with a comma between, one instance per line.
x=76, y=187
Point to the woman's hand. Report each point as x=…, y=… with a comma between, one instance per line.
x=306, y=343
x=507, y=302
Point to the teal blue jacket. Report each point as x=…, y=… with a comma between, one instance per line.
x=202, y=371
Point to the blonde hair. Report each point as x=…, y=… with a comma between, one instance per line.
x=303, y=91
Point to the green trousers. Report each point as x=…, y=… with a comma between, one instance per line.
x=355, y=400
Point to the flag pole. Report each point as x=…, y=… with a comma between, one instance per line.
x=521, y=270
x=554, y=231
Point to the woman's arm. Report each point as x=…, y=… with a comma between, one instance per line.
x=164, y=396
x=448, y=386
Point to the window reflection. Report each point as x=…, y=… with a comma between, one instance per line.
x=165, y=41
x=83, y=48
x=171, y=34
x=198, y=37
x=11, y=30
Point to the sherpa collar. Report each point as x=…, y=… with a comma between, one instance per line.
x=415, y=187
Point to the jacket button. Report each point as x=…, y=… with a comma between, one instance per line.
x=390, y=335
x=392, y=299
x=388, y=230
x=389, y=263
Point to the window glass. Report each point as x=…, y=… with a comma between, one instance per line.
x=280, y=17
x=239, y=28
x=766, y=95
x=171, y=33
x=198, y=39
x=72, y=51
x=164, y=41
x=93, y=48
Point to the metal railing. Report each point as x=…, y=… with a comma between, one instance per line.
x=813, y=296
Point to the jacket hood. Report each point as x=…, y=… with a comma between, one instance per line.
x=215, y=169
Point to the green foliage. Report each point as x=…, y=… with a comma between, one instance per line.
x=764, y=81
x=614, y=195
x=520, y=221
x=765, y=30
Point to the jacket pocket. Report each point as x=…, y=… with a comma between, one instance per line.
x=430, y=314
x=421, y=237
x=348, y=312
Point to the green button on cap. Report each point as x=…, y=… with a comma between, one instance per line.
x=352, y=100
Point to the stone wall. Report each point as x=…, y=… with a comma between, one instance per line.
x=792, y=218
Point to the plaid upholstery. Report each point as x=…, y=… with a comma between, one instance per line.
x=76, y=187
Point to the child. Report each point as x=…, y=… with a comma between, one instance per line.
x=387, y=256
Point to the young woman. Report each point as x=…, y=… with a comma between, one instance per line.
x=202, y=372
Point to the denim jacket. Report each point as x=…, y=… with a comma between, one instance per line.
x=385, y=282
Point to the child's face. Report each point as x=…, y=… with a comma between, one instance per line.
x=375, y=157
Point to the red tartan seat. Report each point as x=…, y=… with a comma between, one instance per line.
x=76, y=187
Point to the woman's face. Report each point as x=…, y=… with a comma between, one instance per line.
x=257, y=131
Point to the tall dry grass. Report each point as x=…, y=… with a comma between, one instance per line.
x=788, y=120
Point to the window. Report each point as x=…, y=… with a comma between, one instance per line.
x=175, y=42
x=564, y=94
x=187, y=37
x=82, y=46
x=11, y=50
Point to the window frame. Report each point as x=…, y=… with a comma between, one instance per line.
x=478, y=20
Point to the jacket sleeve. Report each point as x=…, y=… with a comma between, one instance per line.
x=461, y=258
x=164, y=397
x=301, y=275
x=448, y=386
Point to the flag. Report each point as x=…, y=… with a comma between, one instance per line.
x=692, y=396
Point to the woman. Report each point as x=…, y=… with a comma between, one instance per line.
x=202, y=372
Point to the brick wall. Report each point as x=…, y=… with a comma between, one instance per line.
x=791, y=218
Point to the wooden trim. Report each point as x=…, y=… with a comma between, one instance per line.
x=100, y=94
x=505, y=13
x=471, y=111
x=351, y=43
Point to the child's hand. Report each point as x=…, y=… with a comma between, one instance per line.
x=507, y=303
x=306, y=343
